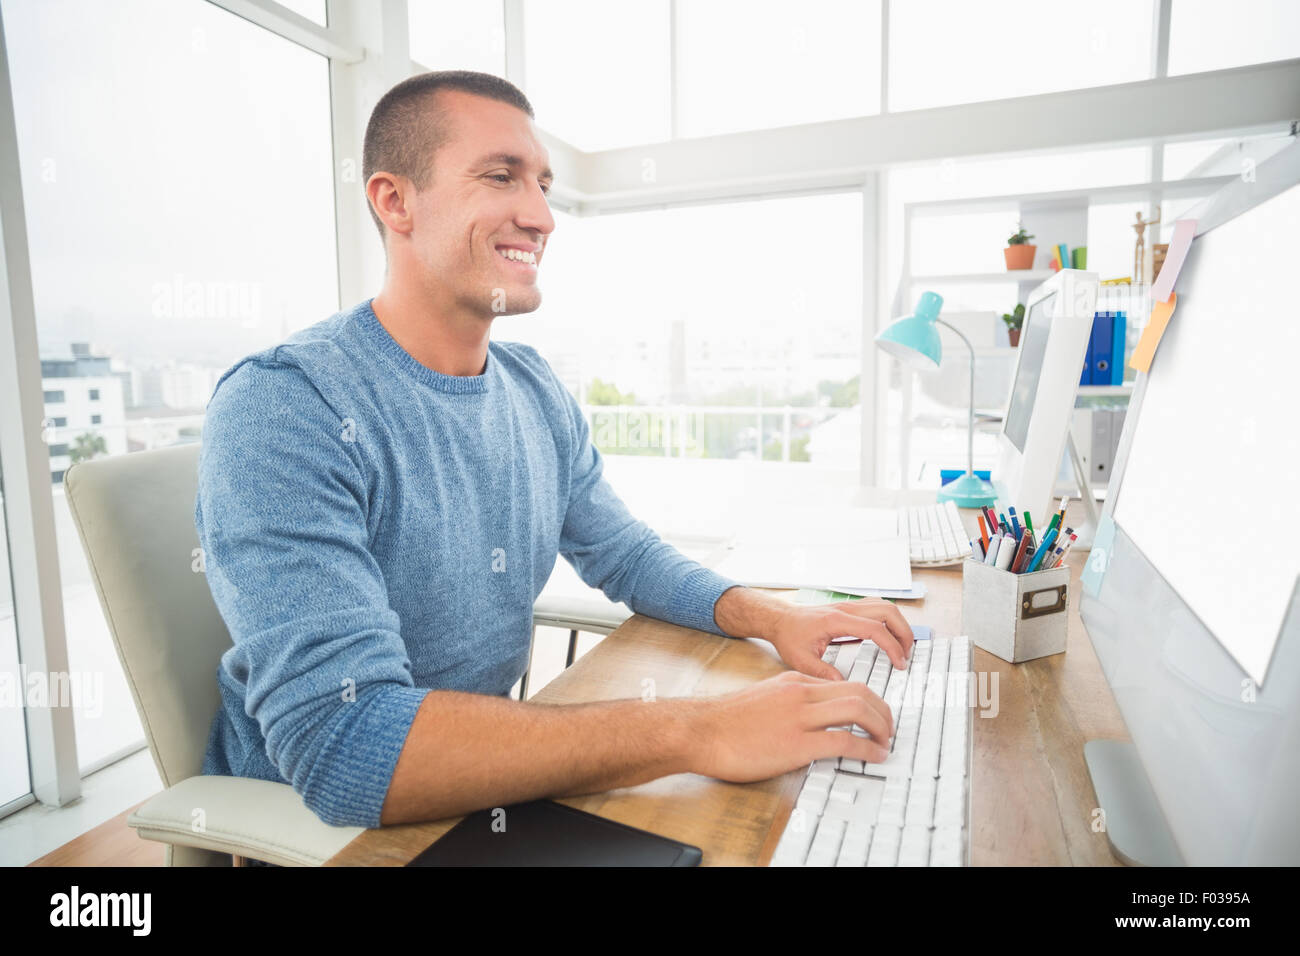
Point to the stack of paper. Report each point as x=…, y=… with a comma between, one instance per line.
x=851, y=550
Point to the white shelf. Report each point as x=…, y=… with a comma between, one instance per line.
x=1105, y=391
x=1010, y=275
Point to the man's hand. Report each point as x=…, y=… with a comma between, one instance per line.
x=801, y=634
x=782, y=723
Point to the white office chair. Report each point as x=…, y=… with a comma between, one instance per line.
x=135, y=516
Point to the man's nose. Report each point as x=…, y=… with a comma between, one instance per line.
x=536, y=212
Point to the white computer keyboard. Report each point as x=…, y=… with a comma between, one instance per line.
x=914, y=808
x=936, y=535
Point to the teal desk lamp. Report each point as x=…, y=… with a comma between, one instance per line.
x=914, y=340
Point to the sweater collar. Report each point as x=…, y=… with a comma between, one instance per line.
x=455, y=384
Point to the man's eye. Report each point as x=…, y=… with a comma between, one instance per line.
x=503, y=177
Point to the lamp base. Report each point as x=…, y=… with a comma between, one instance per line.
x=968, y=491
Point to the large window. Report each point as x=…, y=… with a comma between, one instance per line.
x=944, y=52
x=752, y=65
x=15, y=779
x=466, y=35
x=1213, y=35
x=597, y=73
x=724, y=315
x=176, y=167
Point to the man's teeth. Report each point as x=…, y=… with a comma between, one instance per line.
x=518, y=255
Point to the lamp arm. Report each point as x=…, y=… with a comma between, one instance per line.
x=970, y=425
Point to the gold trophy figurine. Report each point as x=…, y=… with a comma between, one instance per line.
x=1140, y=262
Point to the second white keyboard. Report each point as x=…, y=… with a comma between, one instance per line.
x=935, y=534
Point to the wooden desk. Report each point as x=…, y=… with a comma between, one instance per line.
x=1032, y=801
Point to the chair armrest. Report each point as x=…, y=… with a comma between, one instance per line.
x=593, y=615
x=255, y=818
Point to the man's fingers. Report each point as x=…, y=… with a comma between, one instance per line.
x=841, y=743
x=816, y=667
x=888, y=614
x=870, y=629
x=845, y=710
x=826, y=691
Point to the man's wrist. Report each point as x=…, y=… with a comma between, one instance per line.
x=745, y=612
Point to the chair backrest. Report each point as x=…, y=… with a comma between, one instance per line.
x=135, y=515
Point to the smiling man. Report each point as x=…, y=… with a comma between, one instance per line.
x=383, y=496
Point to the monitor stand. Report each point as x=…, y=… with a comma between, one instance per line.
x=1134, y=825
x=1088, y=530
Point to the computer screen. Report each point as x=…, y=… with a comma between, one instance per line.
x=1217, y=435
x=1033, y=347
x=1191, y=595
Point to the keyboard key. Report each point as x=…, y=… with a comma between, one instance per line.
x=946, y=846
x=825, y=849
x=914, y=849
x=884, y=845
x=856, y=843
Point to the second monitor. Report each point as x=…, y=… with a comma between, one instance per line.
x=1053, y=344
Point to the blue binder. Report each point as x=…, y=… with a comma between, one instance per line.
x=1100, y=347
x=1119, y=330
x=1085, y=377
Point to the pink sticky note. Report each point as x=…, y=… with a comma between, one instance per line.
x=1184, y=229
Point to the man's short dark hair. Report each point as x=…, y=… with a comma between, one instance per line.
x=406, y=129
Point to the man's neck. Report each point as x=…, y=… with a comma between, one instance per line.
x=437, y=338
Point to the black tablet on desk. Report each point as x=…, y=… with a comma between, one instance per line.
x=544, y=833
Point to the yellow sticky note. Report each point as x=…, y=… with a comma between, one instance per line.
x=1146, y=347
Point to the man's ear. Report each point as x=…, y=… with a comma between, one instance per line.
x=388, y=194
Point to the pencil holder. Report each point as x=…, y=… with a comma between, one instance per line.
x=1017, y=617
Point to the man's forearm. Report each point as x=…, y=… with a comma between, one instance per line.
x=469, y=751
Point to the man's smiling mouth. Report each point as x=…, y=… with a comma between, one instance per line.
x=514, y=254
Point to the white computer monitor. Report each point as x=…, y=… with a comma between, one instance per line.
x=1196, y=619
x=1053, y=345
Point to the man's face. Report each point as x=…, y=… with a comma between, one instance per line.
x=480, y=226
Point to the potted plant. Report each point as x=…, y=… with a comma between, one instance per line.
x=1019, y=251
x=1014, y=321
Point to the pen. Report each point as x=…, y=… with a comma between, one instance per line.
x=977, y=548
x=1054, y=559
x=1015, y=525
x=1066, y=549
x=1044, y=551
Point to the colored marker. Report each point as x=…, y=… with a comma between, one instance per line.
x=1029, y=525
x=984, y=534
x=1005, y=554
x=994, y=546
x=1015, y=525
x=1044, y=551
x=977, y=549
x=1029, y=551
x=1020, y=554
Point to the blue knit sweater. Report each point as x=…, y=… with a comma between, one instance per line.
x=373, y=529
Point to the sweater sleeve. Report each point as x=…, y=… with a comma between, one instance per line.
x=282, y=513
x=613, y=551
